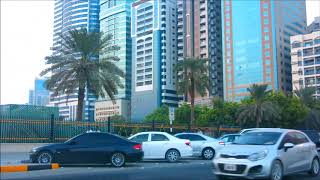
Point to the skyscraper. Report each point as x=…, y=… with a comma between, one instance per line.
x=154, y=55
x=115, y=19
x=199, y=35
x=315, y=25
x=74, y=14
x=256, y=43
x=39, y=95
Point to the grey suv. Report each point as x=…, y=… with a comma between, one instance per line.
x=268, y=153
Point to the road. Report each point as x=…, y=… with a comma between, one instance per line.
x=151, y=170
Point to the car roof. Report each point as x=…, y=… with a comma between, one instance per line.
x=280, y=130
x=189, y=133
x=236, y=134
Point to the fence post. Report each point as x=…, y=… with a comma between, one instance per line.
x=153, y=125
x=52, y=128
x=109, y=124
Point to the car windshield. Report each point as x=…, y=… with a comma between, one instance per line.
x=258, y=138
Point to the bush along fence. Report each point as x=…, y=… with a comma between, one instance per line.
x=54, y=130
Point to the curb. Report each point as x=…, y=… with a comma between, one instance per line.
x=30, y=167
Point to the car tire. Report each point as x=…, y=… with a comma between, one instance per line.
x=172, y=155
x=208, y=153
x=276, y=171
x=315, y=167
x=44, y=157
x=118, y=159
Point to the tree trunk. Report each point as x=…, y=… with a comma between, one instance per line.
x=80, y=103
x=258, y=122
x=192, y=95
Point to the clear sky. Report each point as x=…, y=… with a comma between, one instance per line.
x=26, y=37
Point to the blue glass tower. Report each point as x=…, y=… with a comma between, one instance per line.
x=256, y=43
x=74, y=14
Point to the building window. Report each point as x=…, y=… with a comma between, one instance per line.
x=296, y=45
x=307, y=44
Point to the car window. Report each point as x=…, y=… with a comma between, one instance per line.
x=97, y=138
x=300, y=138
x=193, y=137
x=288, y=138
x=258, y=138
x=140, y=138
x=225, y=139
x=158, y=137
x=182, y=136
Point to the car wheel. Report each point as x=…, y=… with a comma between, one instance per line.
x=118, y=160
x=315, y=167
x=276, y=171
x=208, y=153
x=172, y=155
x=44, y=157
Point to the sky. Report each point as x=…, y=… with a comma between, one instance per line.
x=26, y=38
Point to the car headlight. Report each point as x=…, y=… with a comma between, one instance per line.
x=33, y=150
x=258, y=156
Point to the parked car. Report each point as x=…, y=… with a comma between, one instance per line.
x=271, y=153
x=243, y=131
x=161, y=145
x=229, y=138
x=93, y=147
x=314, y=136
x=202, y=145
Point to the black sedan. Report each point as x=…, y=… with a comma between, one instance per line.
x=90, y=148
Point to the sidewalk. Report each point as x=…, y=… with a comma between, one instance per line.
x=14, y=153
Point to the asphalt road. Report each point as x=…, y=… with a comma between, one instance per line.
x=151, y=170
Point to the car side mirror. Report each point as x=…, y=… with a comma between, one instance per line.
x=287, y=146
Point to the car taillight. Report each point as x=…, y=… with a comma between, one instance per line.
x=188, y=143
x=137, y=147
x=222, y=143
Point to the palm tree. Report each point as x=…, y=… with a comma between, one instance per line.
x=193, y=77
x=75, y=66
x=259, y=108
x=306, y=96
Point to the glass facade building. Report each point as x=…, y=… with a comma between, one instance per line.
x=74, y=14
x=39, y=95
x=154, y=55
x=256, y=43
x=115, y=19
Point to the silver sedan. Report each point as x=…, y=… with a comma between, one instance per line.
x=268, y=153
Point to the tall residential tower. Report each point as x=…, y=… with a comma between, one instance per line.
x=154, y=55
x=199, y=35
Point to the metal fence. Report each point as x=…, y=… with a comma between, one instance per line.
x=36, y=131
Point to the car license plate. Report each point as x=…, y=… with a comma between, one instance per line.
x=230, y=167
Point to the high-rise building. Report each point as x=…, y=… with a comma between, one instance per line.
x=305, y=61
x=154, y=55
x=315, y=25
x=256, y=43
x=199, y=35
x=74, y=14
x=115, y=19
x=39, y=95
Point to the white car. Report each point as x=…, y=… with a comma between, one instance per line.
x=268, y=153
x=161, y=145
x=202, y=145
